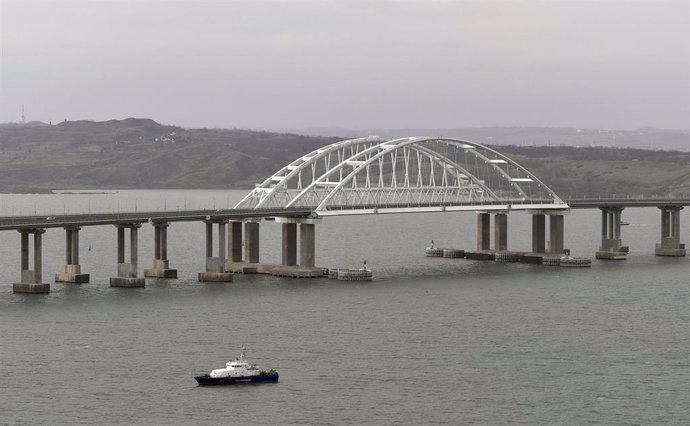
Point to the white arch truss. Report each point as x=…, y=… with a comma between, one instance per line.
x=371, y=175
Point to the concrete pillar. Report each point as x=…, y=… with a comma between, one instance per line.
x=611, y=247
x=38, y=256
x=251, y=242
x=30, y=281
x=156, y=242
x=221, y=241
x=501, y=232
x=670, y=244
x=483, y=231
x=72, y=272
x=215, y=265
x=235, y=241
x=161, y=265
x=209, y=239
x=538, y=233
x=307, y=245
x=556, y=233
x=127, y=272
x=289, y=244
x=120, y=244
x=24, y=250
x=134, y=249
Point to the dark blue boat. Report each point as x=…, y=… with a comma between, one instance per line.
x=235, y=372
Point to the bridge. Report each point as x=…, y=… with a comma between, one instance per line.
x=358, y=176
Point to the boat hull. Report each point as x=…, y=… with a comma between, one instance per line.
x=207, y=380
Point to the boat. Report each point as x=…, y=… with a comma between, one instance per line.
x=237, y=371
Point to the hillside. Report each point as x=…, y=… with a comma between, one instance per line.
x=140, y=153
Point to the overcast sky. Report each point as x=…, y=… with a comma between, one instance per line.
x=354, y=64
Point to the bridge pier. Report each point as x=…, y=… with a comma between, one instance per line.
x=556, y=228
x=215, y=266
x=251, y=242
x=501, y=231
x=611, y=247
x=161, y=265
x=72, y=272
x=483, y=231
x=670, y=244
x=289, y=244
x=31, y=278
x=127, y=272
x=307, y=245
x=538, y=233
x=235, y=241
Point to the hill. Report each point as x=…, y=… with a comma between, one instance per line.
x=140, y=153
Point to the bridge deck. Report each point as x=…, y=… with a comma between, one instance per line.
x=60, y=221
x=594, y=203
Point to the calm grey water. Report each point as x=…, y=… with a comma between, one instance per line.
x=430, y=340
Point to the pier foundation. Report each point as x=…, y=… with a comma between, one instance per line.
x=611, y=247
x=72, y=272
x=670, y=244
x=215, y=265
x=30, y=281
x=161, y=265
x=127, y=272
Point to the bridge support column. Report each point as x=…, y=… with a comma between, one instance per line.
x=290, y=267
x=538, y=233
x=483, y=231
x=127, y=272
x=670, y=244
x=289, y=244
x=235, y=241
x=31, y=278
x=215, y=266
x=501, y=231
x=556, y=233
x=307, y=245
x=251, y=242
x=72, y=272
x=161, y=265
x=611, y=247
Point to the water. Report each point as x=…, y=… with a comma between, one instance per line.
x=430, y=340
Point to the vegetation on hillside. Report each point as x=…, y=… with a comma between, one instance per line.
x=140, y=153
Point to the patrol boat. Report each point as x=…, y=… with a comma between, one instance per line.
x=237, y=371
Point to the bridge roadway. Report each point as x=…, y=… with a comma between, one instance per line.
x=61, y=221
x=594, y=203
x=91, y=219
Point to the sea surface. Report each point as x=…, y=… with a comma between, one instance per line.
x=429, y=341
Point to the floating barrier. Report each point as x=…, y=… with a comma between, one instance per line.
x=354, y=274
x=453, y=253
x=507, y=256
x=551, y=260
x=480, y=255
x=333, y=273
x=578, y=262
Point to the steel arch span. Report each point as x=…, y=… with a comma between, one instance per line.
x=413, y=174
